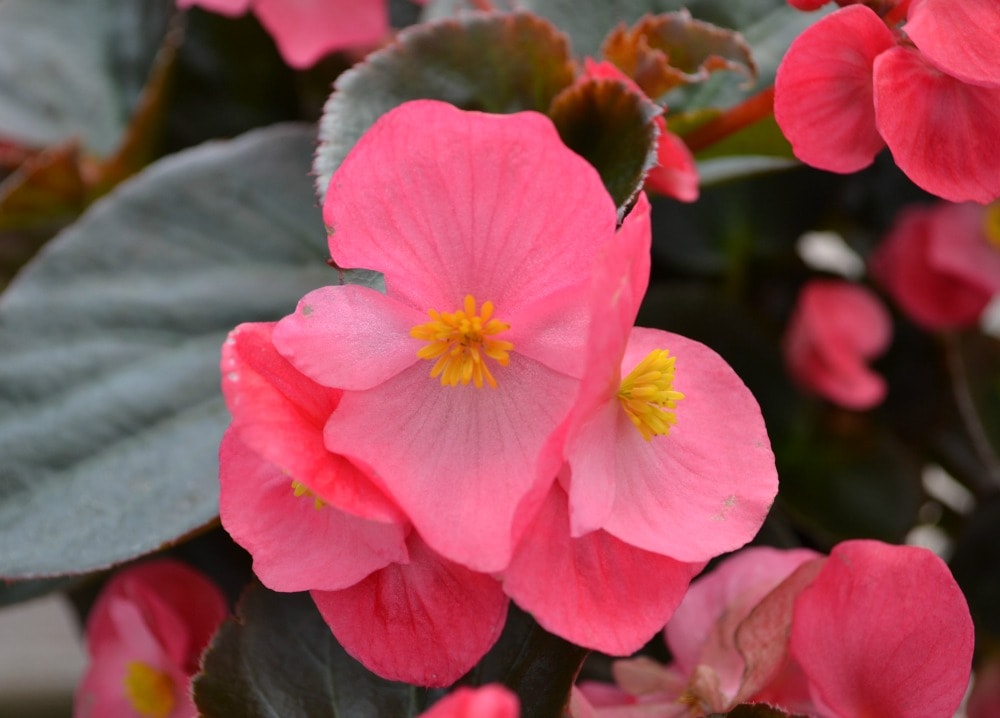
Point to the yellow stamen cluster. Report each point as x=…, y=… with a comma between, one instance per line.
x=301, y=489
x=150, y=692
x=461, y=342
x=647, y=396
x=991, y=224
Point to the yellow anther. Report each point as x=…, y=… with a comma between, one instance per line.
x=461, y=342
x=150, y=692
x=647, y=396
x=991, y=224
x=300, y=489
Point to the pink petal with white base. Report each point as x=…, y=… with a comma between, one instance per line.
x=458, y=460
x=823, y=90
x=280, y=413
x=490, y=701
x=705, y=487
x=297, y=544
x=426, y=622
x=943, y=133
x=306, y=30
x=884, y=631
x=960, y=38
x=349, y=337
x=447, y=203
x=612, y=597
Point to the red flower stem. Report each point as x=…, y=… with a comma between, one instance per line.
x=967, y=408
x=733, y=120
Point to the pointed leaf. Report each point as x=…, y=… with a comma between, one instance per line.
x=110, y=409
x=278, y=659
x=493, y=63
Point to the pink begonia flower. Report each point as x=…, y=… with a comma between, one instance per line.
x=854, y=82
x=404, y=612
x=145, y=635
x=873, y=630
x=486, y=229
x=675, y=174
x=490, y=701
x=307, y=30
x=941, y=263
x=835, y=328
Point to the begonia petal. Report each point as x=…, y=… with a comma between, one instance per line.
x=702, y=630
x=675, y=174
x=618, y=284
x=904, y=263
x=835, y=328
x=884, y=631
x=489, y=701
x=960, y=38
x=458, y=460
x=306, y=30
x=943, y=133
x=960, y=246
x=608, y=596
x=426, y=622
x=349, y=336
x=295, y=545
x=280, y=414
x=704, y=488
x=223, y=7
x=447, y=203
x=823, y=90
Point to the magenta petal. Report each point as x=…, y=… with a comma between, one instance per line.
x=676, y=174
x=458, y=460
x=349, y=337
x=280, y=413
x=594, y=591
x=704, y=488
x=943, y=133
x=490, y=701
x=295, y=545
x=884, y=631
x=823, y=90
x=961, y=38
x=426, y=622
x=702, y=631
x=306, y=30
x=447, y=203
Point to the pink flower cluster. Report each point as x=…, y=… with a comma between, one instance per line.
x=921, y=76
x=145, y=636
x=307, y=30
x=492, y=426
x=872, y=630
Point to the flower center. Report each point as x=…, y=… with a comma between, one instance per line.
x=461, y=342
x=991, y=224
x=647, y=397
x=300, y=489
x=150, y=692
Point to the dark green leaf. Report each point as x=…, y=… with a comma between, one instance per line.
x=613, y=128
x=75, y=69
x=278, y=659
x=493, y=63
x=110, y=411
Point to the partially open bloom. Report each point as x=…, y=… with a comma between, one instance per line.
x=929, y=88
x=306, y=30
x=941, y=263
x=835, y=329
x=872, y=630
x=490, y=701
x=455, y=379
x=145, y=636
x=313, y=521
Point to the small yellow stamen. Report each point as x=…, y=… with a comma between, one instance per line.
x=461, y=342
x=991, y=224
x=300, y=489
x=150, y=692
x=647, y=397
